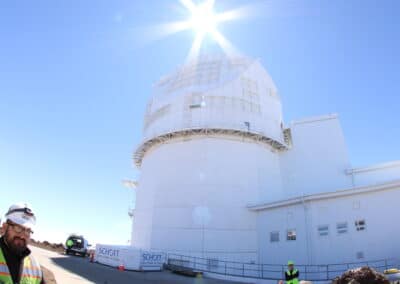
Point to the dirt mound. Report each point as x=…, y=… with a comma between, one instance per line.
x=49, y=246
x=362, y=275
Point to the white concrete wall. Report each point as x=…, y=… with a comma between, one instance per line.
x=280, y=220
x=318, y=160
x=378, y=241
x=143, y=214
x=193, y=196
x=376, y=174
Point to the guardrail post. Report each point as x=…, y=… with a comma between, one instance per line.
x=243, y=269
x=386, y=265
x=327, y=273
x=262, y=270
x=225, y=267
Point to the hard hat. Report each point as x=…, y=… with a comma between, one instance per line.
x=290, y=262
x=21, y=214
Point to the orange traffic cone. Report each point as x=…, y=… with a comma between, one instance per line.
x=121, y=267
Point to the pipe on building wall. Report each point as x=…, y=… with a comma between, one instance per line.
x=307, y=230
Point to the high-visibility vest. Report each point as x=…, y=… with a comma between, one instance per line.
x=294, y=280
x=31, y=271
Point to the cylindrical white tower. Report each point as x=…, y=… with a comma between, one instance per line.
x=212, y=133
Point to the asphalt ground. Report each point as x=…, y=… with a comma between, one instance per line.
x=69, y=269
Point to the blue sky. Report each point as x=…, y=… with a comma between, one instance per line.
x=75, y=77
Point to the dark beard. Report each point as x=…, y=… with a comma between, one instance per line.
x=16, y=249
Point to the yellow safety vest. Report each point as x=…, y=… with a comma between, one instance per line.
x=31, y=271
x=293, y=281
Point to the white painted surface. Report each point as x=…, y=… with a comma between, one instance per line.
x=217, y=92
x=318, y=159
x=131, y=258
x=377, y=241
x=193, y=192
x=375, y=174
x=215, y=177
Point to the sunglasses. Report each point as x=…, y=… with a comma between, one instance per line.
x=19, y=229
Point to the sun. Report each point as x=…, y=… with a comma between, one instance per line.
x=203, y=19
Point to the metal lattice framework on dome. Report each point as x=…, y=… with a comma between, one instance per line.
x=206, y=132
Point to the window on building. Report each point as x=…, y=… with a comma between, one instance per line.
x=341, y=228
x=274, y=237
x=360, y=225
x=323, y=230
x=247, y=125
x=197, y=101
x=291, y=235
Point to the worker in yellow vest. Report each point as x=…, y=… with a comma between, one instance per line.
x=292, y=274
x=17, y=266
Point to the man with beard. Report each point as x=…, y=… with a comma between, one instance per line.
x=17, y=266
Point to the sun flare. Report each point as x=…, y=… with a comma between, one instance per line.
x=203, y=19
x=204, y=22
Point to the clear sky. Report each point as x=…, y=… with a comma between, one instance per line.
x=75, y=77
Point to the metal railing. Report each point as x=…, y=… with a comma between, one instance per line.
x=323, y=272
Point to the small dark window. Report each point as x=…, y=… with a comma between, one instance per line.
x=341, y=228
x=274, y=237
x=323, y=230
x=360, y=225
x=291, y=235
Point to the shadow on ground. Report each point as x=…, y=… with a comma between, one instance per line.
x=102, y=274
x=48, y=276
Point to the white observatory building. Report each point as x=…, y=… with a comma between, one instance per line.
x=222, y=176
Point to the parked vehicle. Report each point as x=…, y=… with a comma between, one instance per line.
x=76, y=244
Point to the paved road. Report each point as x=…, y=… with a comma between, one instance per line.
x=74, y=269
